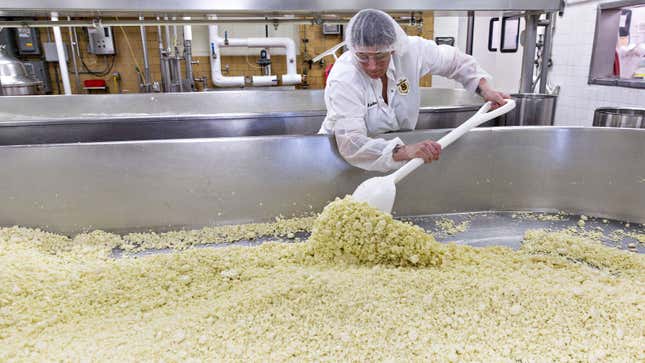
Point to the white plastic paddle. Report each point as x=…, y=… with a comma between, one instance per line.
x=380, y=191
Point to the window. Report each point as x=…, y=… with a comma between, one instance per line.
x=618, y=57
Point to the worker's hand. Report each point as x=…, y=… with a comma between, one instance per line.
x=427, y=150
x=497, y=98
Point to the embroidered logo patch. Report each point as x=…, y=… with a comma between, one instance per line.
x=403, y=86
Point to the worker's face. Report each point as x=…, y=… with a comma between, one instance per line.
x=373, y=62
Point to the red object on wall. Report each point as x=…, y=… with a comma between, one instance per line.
x=327, y=71
x=616, y=64
x=94, y=83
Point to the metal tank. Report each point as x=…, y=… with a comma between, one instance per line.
x=170, y=184
x=533, y=109
x=619, y=117
x=99, y=118
x=14, y=79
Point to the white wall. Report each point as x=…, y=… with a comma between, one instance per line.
x=449, y=26
x=506, y=68
x=572, y=45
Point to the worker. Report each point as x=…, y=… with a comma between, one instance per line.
x=374, y=88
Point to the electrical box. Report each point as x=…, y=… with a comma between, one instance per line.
x=331, y=29
x=40, y=71
x=51, y=53
x=101, y=40
x=27, y=41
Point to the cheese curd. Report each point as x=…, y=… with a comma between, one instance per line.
x=364, y=287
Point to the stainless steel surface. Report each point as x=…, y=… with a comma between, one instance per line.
x=160, y=128
x=161, y=185
x=188, y=63
x=489, y=228
x=493, y=228
x=71, y=7
x=14, y=78
x=528, y=54
x=604, y=45
x=239, y=119
x=533, y=109
x=470, y=32
x=84, y=107
x=164, y=69
x=619, y=117
x=546, y=52
x=619, y=4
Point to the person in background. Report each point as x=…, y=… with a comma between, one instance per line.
x=374, y=88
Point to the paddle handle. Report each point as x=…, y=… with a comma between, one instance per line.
x=477, y=119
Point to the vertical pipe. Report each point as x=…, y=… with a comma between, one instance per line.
x=528, y=56
x=146, y=66
x=188, y=56
x=72, y=45
x=470, y=32
x=167, y=31
x=163, y=62
x=546, y=52
x=58, y=38
x=176, y=59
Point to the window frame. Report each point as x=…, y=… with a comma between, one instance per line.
x=604, y=46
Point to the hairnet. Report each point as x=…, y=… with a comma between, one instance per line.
x=374, y=31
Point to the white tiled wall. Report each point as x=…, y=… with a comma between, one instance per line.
x=572, y=45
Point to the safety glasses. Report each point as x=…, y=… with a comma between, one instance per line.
x=378, y=57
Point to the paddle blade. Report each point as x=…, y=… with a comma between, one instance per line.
x=379, y=192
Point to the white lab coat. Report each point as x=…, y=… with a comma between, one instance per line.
x=356, y=109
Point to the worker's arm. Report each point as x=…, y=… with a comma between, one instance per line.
x=347, y=108
x=450, y=62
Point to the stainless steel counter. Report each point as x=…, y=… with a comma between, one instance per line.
x=199, y=104
x=169, y=184
x=97, y=118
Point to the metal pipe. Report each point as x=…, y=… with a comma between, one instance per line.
x=528, y=55
x=188, y=57
x=78, y=51
x=62, y=63
x=147, y=83
x=176, y=59
x=121, y=22
x=163, y=63
x=546, y=52
x=76, y=75
x=470, y=32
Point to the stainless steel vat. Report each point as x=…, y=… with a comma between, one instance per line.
x=619, y=117
x=97, y=118
x=533, y=109
x=169, y=184
x=14, y=79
